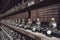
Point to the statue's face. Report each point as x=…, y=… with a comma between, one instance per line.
x=41, y=0
x=37, y=19
x=52, y=19
x=28, y=19
x=19, y=20
x=23, y=19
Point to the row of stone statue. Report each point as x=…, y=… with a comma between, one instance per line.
x=48, y=29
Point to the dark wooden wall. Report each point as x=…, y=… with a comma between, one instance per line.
x=44, y=13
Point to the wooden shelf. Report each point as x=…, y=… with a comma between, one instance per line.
x=34, y=35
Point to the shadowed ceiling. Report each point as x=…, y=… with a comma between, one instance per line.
x=7, y=4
